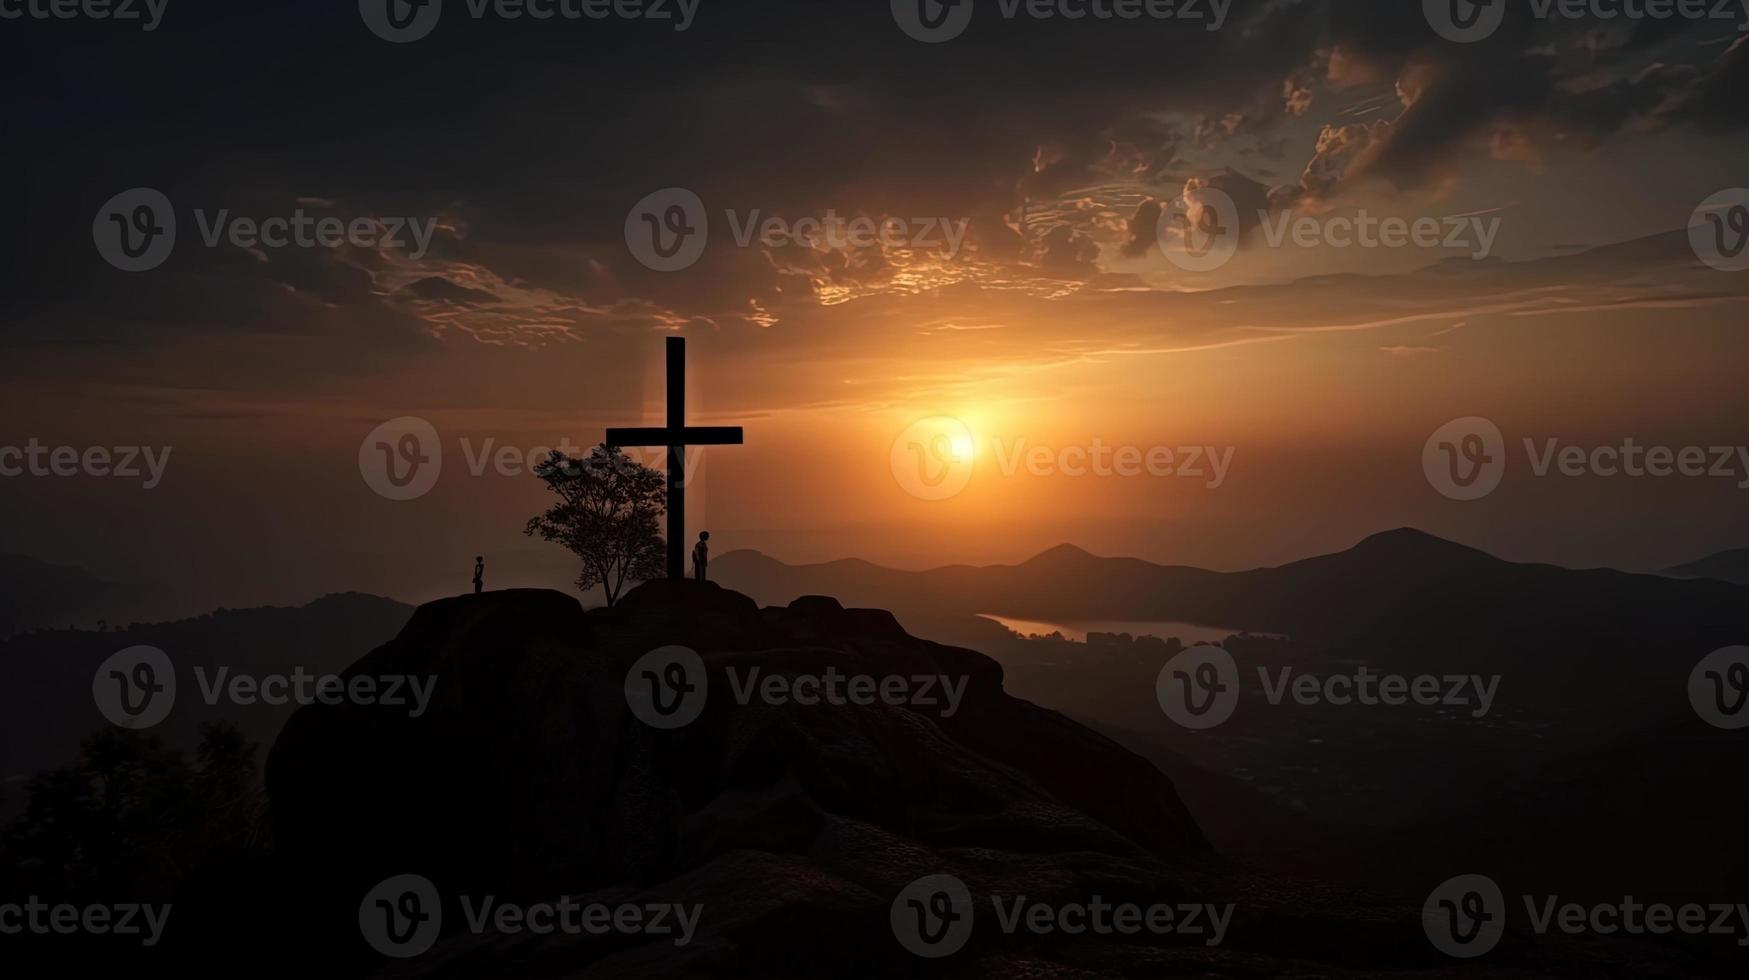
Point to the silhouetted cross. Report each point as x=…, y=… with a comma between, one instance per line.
x=676, y=435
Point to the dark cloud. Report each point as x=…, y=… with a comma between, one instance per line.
x=439, y=289
x=531, y=140
x=1143, y=234
x=1719, y=94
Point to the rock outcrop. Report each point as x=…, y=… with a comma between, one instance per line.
x=793, y=826
x=530, y=771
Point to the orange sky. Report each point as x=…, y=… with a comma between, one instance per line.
x=1065, y=314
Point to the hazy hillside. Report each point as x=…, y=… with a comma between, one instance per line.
x=1726, y=566
x=37, y=593
x=46, y=677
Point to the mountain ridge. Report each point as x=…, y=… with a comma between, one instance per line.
x=1730, y=565
x=1401, y=589
x=1402, y=539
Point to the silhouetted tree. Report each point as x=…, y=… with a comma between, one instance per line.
x=608, y=515
x=135, y=818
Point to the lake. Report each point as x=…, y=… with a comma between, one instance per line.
x=1190, y=633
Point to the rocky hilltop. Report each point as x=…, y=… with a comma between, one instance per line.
x=530, y=751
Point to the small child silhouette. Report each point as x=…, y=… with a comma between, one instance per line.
x=701, y=555
x=479, y=573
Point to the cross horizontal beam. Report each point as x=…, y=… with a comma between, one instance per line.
x=686, y=435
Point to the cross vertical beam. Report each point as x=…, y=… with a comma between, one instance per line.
x=676, y=435
x=676, y=365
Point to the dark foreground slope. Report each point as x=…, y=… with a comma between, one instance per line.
x=794, y=828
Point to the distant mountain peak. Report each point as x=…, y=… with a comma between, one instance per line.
x=1062, y=552
x=745, y=554
x=1410, y=543
x=1407, y=537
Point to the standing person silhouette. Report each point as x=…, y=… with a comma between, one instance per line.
x=479, y=573
x=701, y=555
